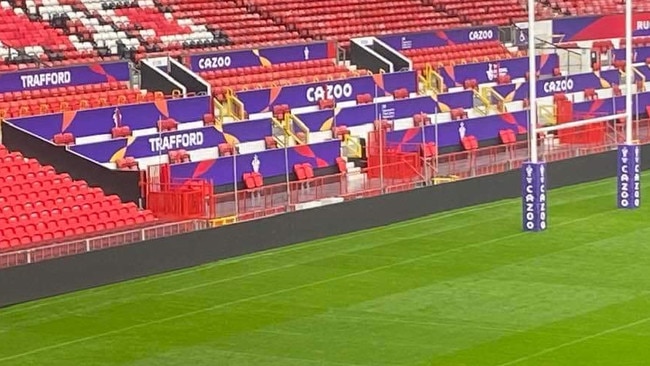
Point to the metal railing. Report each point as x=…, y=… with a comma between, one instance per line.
x=34, y=255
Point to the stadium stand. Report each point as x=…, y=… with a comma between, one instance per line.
x=458, y=53
x=589, y=7
x=291, y=73
x=71, y=98
x=42, y=207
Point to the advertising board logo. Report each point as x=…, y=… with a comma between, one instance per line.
x=406, y=43
x=256, y=164
x=387, y=113
x=643, y=25
x=534, y=197
x=556, y=86
x=329, y=91
x=629, y=179
x=46, y=79
x=494, y=70
x=215, y=62
x=177, y=141
x=481, y=35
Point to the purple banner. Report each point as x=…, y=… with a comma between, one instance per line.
x=600, y=27
x=64, y=76
x=485, y=72
x=451, y=133
x=602, y=107
x=246, y=131
x=151, y=145
x=561, y=84
x=263, y=100
x=639, y=54
x=643, y=70
x=100, y=121
x=401, y=108
x=440, y=38
x=629, y=177
x=261, y=57
x=533, y=196
x=269, y=163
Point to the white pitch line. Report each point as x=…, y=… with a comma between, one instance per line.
x=296, y=247
x=278, y=292
x=576, y=341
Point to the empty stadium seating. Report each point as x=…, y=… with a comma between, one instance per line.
x=586, y=7
x=43, y=101
x=40, y=206
x=341, y=20
x=459, y=53
x=280, y=74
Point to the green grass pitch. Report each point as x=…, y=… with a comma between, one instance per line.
x=465, y=287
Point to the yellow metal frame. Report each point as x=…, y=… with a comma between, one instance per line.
x=486, y=103
x=447, y=179
x=291, y=121
x=353, y=145
x=488, y=94
x=547, y=114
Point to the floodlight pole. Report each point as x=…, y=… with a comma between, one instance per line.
x=532, y=83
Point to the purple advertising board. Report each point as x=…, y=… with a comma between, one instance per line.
x=401, y=108
x=533, y=196
x=561, y=84
x=643, y=70
x=639, y=54
x=485, y=72
x=628, y=181
x=100, y=121
x=451, y=133
x=263, y=100
x=150, y=145
x=261, y=56
x=269, y=163
x=600, y=27
x=608, y=106
x=64, y=76
x=440, y=38
x=192, y=139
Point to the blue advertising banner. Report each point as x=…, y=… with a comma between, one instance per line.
x=561, y=84
x=485, y=72
x=451, y=133
x=643, y=70
x=533, y=196
x=269, y=163
x=261, y=56
x=629, y=177
x=600, y=27
x=151, y=145
x=246, y=131
x=440, y=38
x=401, y=108
x=100, y=121
x=263, y=100
x=639, y=54
x=64, y=76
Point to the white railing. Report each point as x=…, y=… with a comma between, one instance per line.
x=39, y=254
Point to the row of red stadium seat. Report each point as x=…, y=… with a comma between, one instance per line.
x=72, y=102
x=39, y=206
x=462, y=53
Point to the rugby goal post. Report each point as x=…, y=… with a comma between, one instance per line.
x=534, y=179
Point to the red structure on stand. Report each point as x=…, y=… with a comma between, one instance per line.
x=588, y=134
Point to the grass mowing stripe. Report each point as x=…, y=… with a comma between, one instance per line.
x=296, y=247
x=278, y=292
x=577, y=341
